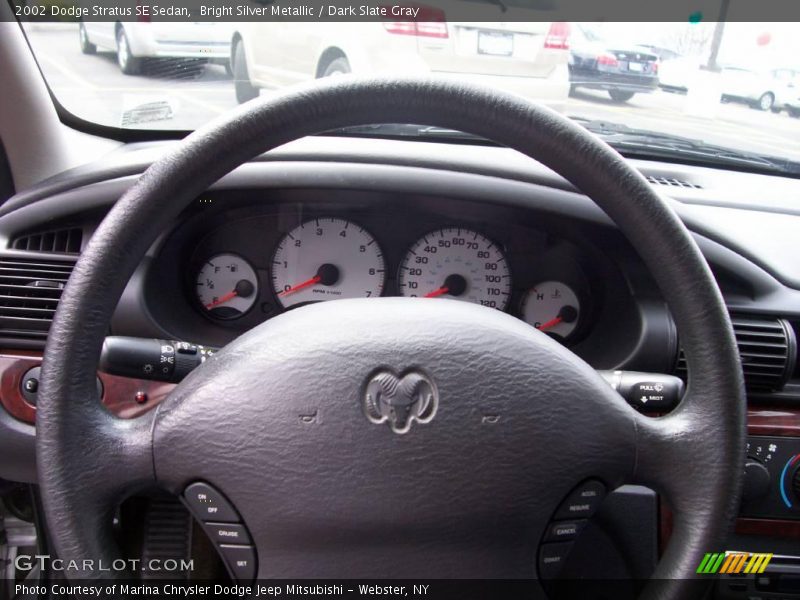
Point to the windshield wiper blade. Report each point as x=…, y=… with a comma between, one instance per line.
x=667, y=145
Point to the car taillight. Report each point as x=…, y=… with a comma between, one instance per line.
x=557, y=37
x=607, y=60
x=430, y=22
x=655, y=68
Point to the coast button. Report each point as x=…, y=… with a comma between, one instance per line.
x=552, y=558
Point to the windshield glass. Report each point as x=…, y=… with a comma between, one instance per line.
x=715, y=92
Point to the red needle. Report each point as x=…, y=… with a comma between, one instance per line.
x=550, y=323
x=313, y=281
x=442, y=290
x=222, y=300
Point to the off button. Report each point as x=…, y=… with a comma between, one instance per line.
x=208, y=504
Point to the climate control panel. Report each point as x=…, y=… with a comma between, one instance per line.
x=772, y=478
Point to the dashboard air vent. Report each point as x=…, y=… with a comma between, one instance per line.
x=673, y=182
x=768, y=350
x=58, y=241
x=29, y=294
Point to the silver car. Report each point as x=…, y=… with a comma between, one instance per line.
x=135, y=42
x=528, y=58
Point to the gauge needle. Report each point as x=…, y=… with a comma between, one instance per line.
x=550, y=323
x=454, y=284
x=296, y=288
x=222, y=299
x=441, y=291
x=567, y=314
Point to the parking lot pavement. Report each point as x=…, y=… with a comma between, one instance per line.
x=92, y=87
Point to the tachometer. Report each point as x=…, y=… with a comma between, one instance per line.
x=327, y=259
x=456, y=263
x=227, y=286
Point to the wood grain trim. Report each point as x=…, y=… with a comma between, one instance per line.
x=768, y=527
x=119, y=393
x=778, y=421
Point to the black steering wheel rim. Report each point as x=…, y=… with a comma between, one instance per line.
x=72, y=429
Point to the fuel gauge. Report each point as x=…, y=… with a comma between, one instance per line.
x=552, y=307
x=227, y=286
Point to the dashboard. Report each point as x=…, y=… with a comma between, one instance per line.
x=326, y=218
x=323, y=219
x=239, y=258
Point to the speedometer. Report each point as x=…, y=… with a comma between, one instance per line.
x=456, y=263
x=327, y=259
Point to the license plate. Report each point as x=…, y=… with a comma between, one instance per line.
x=495, y=43
x=636, y=66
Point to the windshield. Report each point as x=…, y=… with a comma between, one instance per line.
x=710, y=91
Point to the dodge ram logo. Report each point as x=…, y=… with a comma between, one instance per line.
x=399, y=401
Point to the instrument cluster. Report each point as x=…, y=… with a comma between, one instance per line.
x=328, y=257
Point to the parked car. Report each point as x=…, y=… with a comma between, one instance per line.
x=761, y=89
x=134, y=42
x=528, y=58
x=793, y=105
x=622, y=70
x=662, y=53
x=676, y=74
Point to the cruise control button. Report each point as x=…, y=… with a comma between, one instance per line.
x=228, y=533
x=583, y=501
x=208, y=504
x=241, y=561
x=563, y=531
x=552, y=558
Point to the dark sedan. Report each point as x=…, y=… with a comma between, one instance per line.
x=622, y=70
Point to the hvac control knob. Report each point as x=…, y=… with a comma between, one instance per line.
x=796, y=485
x=756, y=480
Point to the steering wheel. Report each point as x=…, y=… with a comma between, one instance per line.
x=444, y=435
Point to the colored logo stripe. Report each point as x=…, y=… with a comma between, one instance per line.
x=734, y=562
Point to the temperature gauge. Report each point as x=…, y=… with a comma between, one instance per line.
x=552, y=307
x=227, y=286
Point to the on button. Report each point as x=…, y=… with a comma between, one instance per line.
x=208, y=504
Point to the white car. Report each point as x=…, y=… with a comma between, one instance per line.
x=761, y=89
x=678, y=74
x=134, y=42
x=527, y=58
x=793, y=105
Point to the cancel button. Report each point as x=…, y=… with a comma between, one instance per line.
x=228, y=533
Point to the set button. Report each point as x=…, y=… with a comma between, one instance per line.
x=224, y=527
x=241, y=561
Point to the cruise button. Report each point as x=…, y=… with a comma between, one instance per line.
x=228, y=533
